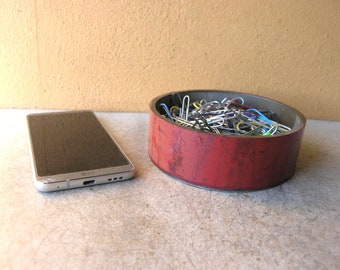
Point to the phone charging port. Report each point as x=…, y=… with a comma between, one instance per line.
x=89, y=182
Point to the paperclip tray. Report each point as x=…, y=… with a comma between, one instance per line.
x=225, y=162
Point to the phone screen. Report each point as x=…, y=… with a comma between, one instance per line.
x=69, y=142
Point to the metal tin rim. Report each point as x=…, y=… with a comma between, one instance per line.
x=299, y=115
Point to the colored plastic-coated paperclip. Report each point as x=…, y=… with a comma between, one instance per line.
x=227, y=117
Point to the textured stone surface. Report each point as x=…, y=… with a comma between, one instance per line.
x=156, y=222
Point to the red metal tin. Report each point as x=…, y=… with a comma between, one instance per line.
x=222, y=161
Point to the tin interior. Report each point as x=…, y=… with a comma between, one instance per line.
x=280, y=112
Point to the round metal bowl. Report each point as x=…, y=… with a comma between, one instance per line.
x=225, y=162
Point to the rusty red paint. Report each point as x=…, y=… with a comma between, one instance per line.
x=222, y=162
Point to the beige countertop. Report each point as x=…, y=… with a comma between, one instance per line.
x=157, y=222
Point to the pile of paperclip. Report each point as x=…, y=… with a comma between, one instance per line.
x=229, y=117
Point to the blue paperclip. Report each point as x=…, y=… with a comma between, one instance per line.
x=261, y=116
x=167, y=111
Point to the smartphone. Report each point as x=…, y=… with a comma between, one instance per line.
x=72, y=149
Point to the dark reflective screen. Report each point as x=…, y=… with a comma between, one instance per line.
x=71, y=142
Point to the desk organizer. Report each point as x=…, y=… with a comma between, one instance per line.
x=225, y=162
